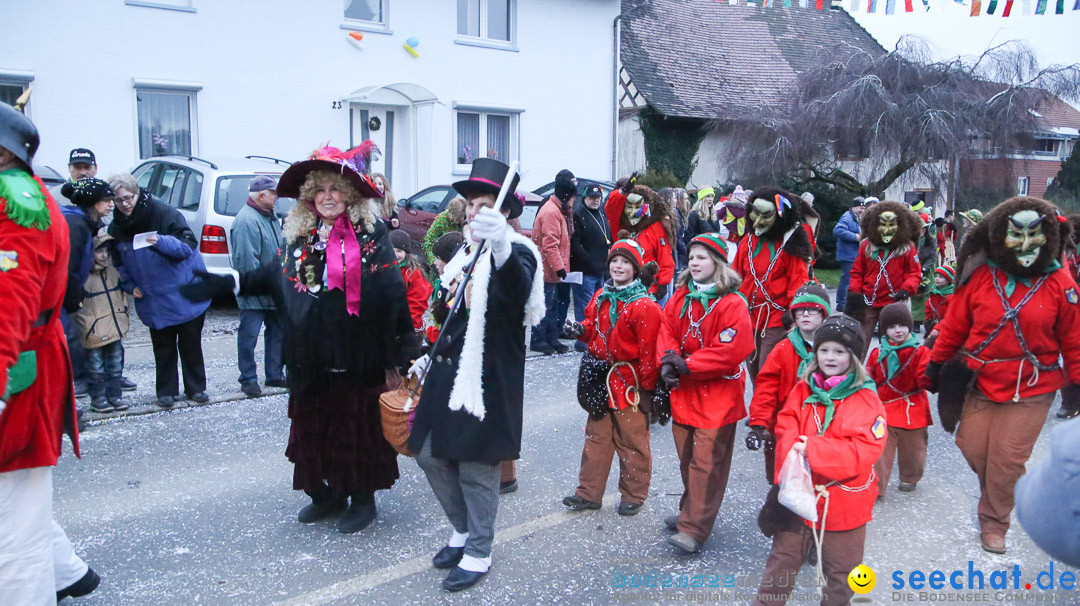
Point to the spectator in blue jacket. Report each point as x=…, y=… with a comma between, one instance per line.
x=154, y=273
x=256, y=240
x=847, y=237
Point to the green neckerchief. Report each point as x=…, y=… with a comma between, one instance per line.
x=701, y=296
x=943, y=291
x=828, y=398
x=878, y=253
x=892, y=355
x=805, y=355
x=625, y=294
x=24, y=201
x=403, y=264
x=769, y=243
x=1010, y=286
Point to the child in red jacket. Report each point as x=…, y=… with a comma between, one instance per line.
x=835, y=418
x=937, y=300
x=616, y=381
x=782, y=369
x=417, y=287
x=705, y=338
x=899, y=369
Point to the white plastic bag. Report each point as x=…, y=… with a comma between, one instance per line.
x=796, y=487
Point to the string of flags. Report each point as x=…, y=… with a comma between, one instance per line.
x=1007, y=9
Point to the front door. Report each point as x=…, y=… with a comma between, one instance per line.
x=377, y=123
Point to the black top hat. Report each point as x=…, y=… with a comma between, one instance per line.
x=487, y=178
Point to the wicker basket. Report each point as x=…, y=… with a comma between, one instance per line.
x=395, y=419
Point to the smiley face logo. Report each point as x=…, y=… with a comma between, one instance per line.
x=862, y=579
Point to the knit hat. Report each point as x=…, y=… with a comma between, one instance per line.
x=714, y=242
x=858, y=201
x=401, y=240
x=843, y=330
x=447, y=244
x=812, y=296
x=974, y=215
x=896, y=313
x=629, y=250
x=564, y=185
x=87, y=191
x=707, y=191
x=947, y=272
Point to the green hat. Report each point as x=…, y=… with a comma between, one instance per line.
x=707, y=191
x=713, y=242
x=947, y=272
x=974, y=215
x=813, y=296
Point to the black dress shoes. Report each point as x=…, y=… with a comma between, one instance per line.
x=84, y=586
x=459, y=579
x=448, y=557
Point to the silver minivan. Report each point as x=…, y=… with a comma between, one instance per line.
x=209, y=193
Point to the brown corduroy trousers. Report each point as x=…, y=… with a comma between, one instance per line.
x=626, y=433
x=705, y=462
x=908, y=448
x=841, y=551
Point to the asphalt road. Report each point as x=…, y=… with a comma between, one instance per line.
x=195, y=506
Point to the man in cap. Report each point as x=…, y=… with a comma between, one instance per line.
x=37, y=562
x=81, y=163
x=589, y=244
x=256, y=240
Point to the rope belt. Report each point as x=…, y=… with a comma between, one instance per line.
x=907, y=399
x=819, y=538
x=633, y=392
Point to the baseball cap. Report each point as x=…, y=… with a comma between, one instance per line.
x=593, y=191
x=81, y=155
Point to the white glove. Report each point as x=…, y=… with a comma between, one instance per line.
x=419, y=366
x=490, y=225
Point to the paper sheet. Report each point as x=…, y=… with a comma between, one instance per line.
x=574, y=277
x=139, y=241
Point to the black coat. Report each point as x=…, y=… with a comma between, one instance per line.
x=698, y=225
x=458, y=435
x=591, y=240
x=81, y=230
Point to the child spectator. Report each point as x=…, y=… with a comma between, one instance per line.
x=443, y=250
x=899, y=369
x=835, y=418
x=705, y=338
x=103, y=322
x=616, y=381
x=937, y=300
x=417, y=288
x=782, y=369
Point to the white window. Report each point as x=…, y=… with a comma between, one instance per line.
x=1022, y=186
x=482, y=133
x=172, y=5
x=366, y=11
x=167, y=121
x=489, y=20
x=10, y=91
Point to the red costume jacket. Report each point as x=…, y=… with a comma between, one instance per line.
x=33, y=276
x=417, y=291
x=845, y=454
x=880, y=282
x=1048, y=323
x=775, y=380
x=632, y=339
x=711, y=396
x=779, y=284
x=935, y=308
x=904, y=396
x=653, y=239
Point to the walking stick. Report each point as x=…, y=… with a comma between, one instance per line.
x=459, y=293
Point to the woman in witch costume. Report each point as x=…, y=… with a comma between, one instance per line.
x=1013, y=316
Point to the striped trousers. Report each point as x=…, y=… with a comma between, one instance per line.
x=468, y=492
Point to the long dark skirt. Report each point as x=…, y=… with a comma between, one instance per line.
x=336, y=437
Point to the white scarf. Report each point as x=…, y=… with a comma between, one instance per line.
x=468, y=389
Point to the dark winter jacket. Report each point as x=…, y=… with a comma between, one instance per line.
x=846, y=233
x=81, y=230
x=458, y=435
x=590, y=243
x=698, y=225
x=158, y=270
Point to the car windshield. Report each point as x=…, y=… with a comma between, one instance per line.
x=232, y=194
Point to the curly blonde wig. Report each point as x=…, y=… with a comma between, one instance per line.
x=302, y=220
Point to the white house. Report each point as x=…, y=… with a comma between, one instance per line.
x=532, y=80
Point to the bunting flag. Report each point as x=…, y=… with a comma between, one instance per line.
x=1025, y=7
x=767, y=3
x=976, y=6
x=871, y=6
x=821, y=4
x=890, y=6
x=908, y=7
x=1040, y=8
x=993, y=7
x=787, y=3
x=1060, y=10
x=1008, y=8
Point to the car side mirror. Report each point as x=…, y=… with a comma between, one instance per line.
x=408, y=205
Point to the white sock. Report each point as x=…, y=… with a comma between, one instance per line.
x=474, y=564
x=458, y=539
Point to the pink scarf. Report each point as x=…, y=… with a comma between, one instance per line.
x=828, y=383
x=344, y=277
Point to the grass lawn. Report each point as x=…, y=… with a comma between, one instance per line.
x=828, y=277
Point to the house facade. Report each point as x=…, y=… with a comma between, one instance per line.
x=435, y=83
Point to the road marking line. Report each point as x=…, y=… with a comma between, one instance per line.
x=355, y=585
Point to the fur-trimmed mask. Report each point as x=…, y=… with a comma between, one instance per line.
x=1025, y=235
x=890, y=225
x=643, y=208
x=772, y=212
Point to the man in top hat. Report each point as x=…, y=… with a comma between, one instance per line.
x=469, y=415
x=256, y=240
x=37, y=562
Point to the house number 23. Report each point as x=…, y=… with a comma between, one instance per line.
x=335, y=104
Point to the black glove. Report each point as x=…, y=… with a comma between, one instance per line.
x=206, y=286
x=669, y=375
x=758, y=437
x=646, y=406
x=901, y=295
x=574, y=329
x=561, y=273
x=630, y=183
x=676, y=362
x=854, y=304
x=933, y=370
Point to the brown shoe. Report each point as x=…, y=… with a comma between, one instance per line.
x=993, y=543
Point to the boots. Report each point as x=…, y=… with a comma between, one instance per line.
x=361, y=513
x=322, y=509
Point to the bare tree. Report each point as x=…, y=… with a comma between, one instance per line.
x=905, y=108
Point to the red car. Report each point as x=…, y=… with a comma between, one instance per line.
x=417, y=212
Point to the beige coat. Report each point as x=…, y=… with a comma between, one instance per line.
x=103, y=317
